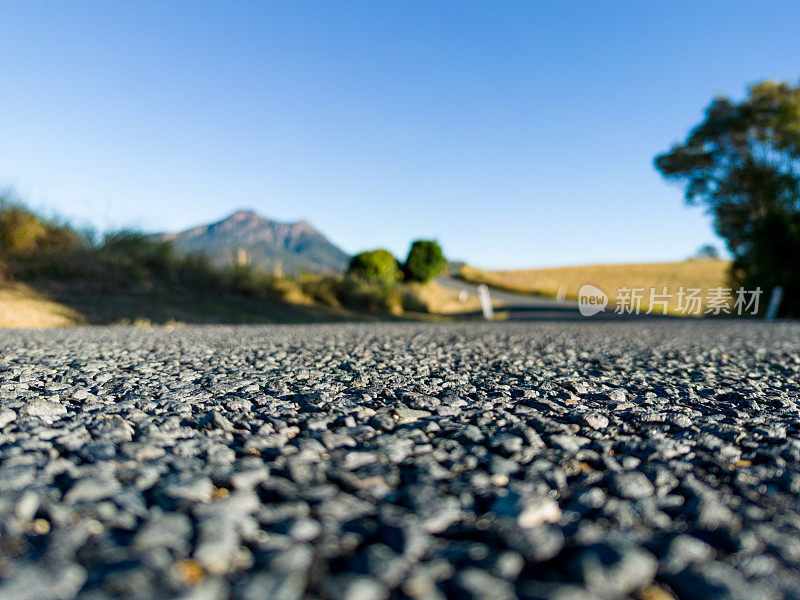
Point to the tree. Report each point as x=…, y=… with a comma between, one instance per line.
x=707, y=252
x=425, y=261
x=743, y=163
x=378, y=266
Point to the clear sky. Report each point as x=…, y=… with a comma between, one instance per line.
x=516, y=133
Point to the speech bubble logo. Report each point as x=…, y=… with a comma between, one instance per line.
x=591, y=300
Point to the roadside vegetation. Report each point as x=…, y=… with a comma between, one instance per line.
x=377, y=276
x=53, y=274
x=742, y=163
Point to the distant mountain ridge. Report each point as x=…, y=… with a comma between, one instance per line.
x=267, y=244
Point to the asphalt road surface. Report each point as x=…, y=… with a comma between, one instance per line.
x=648, y=460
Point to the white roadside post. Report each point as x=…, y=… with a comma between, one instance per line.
x=486, y=302
x=774, y=303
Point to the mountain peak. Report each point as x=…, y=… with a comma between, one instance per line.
x=243, y=215
x=249, y=216
x=296, y=246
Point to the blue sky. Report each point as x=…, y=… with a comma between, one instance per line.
x=517, y=134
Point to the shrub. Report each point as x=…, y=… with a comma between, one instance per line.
x=377, y=266
x=321, y=288
x=131, y=257
x=20, y=230
x=24, y=234
x=425, y=261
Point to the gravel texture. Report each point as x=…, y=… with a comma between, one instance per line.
x=366, y=462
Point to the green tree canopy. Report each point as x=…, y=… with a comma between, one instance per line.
x=425, y=261
x=378, y=266
x=743, y=163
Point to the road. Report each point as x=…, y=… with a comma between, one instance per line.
x=522, y=307
x=492, y=461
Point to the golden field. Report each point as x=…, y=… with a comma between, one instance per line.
x=704, y=274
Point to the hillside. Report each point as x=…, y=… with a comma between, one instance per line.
x=267, y=244
x=695, y=273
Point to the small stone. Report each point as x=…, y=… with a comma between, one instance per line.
x=595, y=420
x=171, y=530
x=215, y=420
x=92, y=489
x=26, y=507
x=508, y=564
x=506, y=443
x=303, y=529
x=655, y=592
x=530, y=511
x=535, y=544
x=569, y=443
x=406, y=415
x=44, y=408
x=190, y=571
x=618, y=395
x=476, y=584
x=195, y=489
x=382, y=421
x=348, y=586
x=631, y=484
x=7, y=416
x=296, y=558
x=614, y=570
x=682, y=551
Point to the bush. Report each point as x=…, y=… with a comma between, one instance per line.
x=129, y=257
x=321, y=288
x=23, y=233
x=376, y=266
x=425, y=261
x=20, y=231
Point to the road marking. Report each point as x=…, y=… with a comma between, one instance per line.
x=486, y=302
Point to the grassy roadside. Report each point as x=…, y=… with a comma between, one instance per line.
x=53, y=303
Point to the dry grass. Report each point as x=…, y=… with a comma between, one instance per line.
x=20, y=306
x=702, y=274
x=436, y=299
